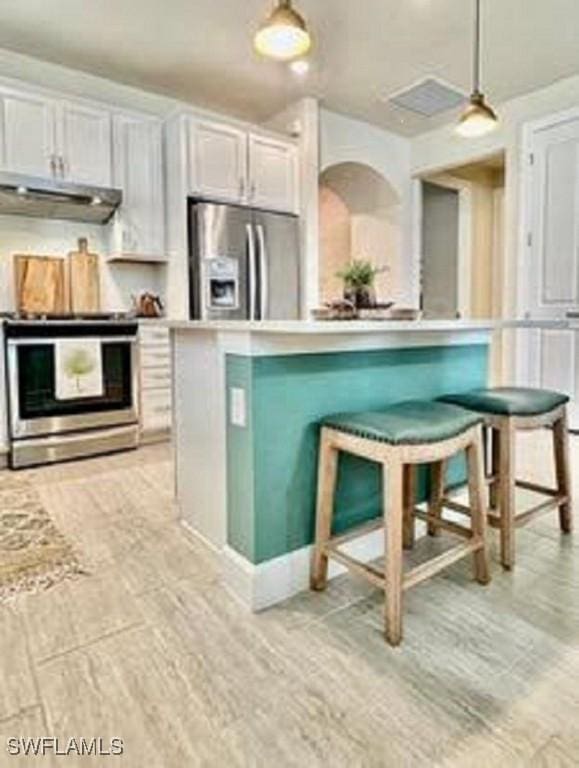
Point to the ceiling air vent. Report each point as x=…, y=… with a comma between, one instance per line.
x=428, y=97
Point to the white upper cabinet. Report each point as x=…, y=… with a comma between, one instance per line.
x=27, y=129
x=554, y=220
x=138, y=229
x=230, y=164
x=53, y=138
x=218, y=161
x=84, y=140
x=273, y=171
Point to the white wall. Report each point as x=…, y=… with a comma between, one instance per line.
x=81, y=84
x=343, y=139
x=373, y=211
x=301, y=119
x=442, y=148
x=335, y=243
x=20, y=235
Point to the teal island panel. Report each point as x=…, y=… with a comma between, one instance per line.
x=272, y=458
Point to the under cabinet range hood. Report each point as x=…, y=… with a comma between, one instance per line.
x=52, y=199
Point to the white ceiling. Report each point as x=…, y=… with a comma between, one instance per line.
x=200, y=50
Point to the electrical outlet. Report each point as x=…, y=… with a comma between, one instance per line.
x=237, y=409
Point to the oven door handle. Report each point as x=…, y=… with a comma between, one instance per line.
x=50, y=342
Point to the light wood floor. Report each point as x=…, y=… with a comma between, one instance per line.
x=149, y=647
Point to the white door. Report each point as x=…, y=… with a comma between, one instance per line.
x=85, y=140
x=138, y=172
x=218, y=156
x=273, y=173
x=27, y=128
x=552, y=269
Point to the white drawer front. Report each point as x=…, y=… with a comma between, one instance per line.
x=155, y=357
x=154, y=423
x=156, y=378
x=153, y=334
x=159, y=398
x=156, y=409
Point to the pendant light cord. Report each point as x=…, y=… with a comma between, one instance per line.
x=476, y=67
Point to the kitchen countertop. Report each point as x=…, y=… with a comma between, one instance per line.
x=357, y=326
x=256, y=338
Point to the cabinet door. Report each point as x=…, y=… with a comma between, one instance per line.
x=218, y=156
x=273, y=174
x=28, y=134
x=554, y=221
x=85, y=144
x=138, y=172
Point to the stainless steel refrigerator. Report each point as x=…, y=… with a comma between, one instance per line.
x=243, y=263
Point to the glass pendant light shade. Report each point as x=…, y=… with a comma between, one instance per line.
x=284, y=35
x=477, y=119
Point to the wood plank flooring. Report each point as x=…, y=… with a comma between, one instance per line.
x=150, y=647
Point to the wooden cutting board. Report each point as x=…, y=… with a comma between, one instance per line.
x=84, y=279
x=40, y=284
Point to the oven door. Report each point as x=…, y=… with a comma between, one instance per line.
x=34, y=407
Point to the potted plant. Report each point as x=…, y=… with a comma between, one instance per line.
x=359, y=278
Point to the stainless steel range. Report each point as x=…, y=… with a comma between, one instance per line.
x=44, y=425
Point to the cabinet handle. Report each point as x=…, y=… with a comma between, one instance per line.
x=241, y=187
x=252, y=191
x=53, y=165
x=62, y=167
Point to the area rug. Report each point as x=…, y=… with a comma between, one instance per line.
x=34, y=555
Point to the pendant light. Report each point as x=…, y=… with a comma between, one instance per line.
x=479, y=117
x=283, y=35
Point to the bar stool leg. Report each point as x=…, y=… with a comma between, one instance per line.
x=327, y=476
x=563, y=472
x=495, y=467
x=437, y=476
x=409, y=500
x=393, y=494
x=476, y=487
x=506, y=491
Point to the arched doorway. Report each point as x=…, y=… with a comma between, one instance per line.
x=359, y=219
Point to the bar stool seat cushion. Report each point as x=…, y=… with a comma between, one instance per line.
x=509, y=401
x=413, y=422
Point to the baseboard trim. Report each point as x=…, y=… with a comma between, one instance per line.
x=155, y=436
x=263, y=585
x=188, y=528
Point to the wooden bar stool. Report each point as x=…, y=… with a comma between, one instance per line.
x=399, y=438
x=506, y=410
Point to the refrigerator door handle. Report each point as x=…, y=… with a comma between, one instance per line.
x=263, y=275
x=252, y=272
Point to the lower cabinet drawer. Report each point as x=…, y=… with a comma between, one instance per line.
x=159, y=423
x=157, y=356
x=156, y=378
x=153, y=334
x=156, y=409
